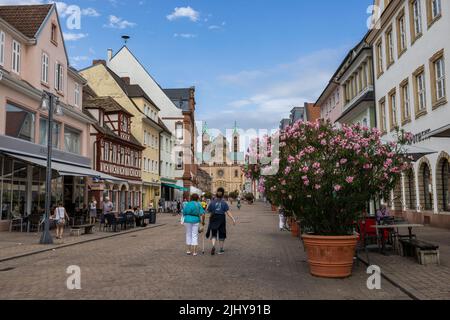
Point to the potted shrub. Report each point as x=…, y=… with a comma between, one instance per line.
x=326, y=176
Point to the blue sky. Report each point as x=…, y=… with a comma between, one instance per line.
x=251, y=61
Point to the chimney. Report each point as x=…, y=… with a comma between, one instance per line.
x=126, y=80
x=96, y=62
x=110, y=54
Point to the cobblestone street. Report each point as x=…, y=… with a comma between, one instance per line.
x=260, y=263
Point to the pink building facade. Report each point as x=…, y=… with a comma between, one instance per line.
x=33, y=59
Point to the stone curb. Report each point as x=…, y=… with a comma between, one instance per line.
x=77, y=243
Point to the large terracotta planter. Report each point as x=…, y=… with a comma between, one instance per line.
x=330, y=257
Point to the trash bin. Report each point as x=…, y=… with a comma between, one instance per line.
x=152, y=219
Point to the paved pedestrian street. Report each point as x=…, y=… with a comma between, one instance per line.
x=260, y=263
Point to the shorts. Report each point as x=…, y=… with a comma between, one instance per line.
x=60, y=222
x=218, y=227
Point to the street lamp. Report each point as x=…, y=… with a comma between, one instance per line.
x=51, y=104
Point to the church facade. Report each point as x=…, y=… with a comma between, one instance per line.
x=222, y=162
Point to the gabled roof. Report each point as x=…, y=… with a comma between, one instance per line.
x=92, y=101
x=27, y=19
x=135, y=91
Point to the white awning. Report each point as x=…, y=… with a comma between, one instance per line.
x=67, y=169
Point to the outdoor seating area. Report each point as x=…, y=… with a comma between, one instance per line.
x=388, y=236
x=78, y=223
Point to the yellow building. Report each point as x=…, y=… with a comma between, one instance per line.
x=145, y=126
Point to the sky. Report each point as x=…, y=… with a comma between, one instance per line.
x=251, y=61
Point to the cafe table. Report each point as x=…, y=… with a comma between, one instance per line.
x=396, y=227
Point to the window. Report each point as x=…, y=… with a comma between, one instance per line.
x=405, y=101
x=411, y=194
x=145, y=164
x=54, y=36
x=379, y=58
x=434, y=11
x=180, y=160
x=389, y=48
x=420, y=92
x=393, y=109
x=236, y=174
x=2, y=48
x=416, y=19
x=72, y=140
x=427, y=188
x=19, y=123
x=45, y=65
x=401, y=33
x=77, y=94
x=43, y=133
x=438, y=85
x=179, y=131
x=445, y=185
x=383, y=122
x=106, y=152
x=16, y=57
x=59, y=77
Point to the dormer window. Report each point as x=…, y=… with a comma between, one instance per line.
x=54, y=36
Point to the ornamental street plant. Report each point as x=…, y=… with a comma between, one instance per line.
x=327, y=175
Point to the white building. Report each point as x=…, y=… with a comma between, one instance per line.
x=410, y=46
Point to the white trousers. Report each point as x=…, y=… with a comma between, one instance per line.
x=282, y=221
x=191, y=234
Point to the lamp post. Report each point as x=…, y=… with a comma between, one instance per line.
x=49, y=103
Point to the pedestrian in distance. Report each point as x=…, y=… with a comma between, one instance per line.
x=60, y=216
x=92, y=211
x=193, y=215
x=239, y=203
x=219, y=210
x=282, y=218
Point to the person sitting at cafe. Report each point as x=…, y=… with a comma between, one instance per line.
x=383, y=213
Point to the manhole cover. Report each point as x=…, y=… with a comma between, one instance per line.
x=6, y=269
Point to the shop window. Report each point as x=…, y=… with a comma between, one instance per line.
x=19, y=123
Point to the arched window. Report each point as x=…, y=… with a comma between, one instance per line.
x=427, y=189
x=445, y=185
x=411, y=194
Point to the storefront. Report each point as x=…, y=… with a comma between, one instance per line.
x=23, y=179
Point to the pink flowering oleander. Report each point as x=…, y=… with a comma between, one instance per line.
x=334, y=172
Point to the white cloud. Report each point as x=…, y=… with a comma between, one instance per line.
x=269, y=94
x=90, y=12
x=184, y=35
x=119, y=23
x=74, y=36
x=184, y=12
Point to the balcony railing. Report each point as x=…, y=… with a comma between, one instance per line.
x=358, y=97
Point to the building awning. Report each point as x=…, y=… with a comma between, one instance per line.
x=418, y=152
x=174, y=186
x=67, y=169
x=443, y=132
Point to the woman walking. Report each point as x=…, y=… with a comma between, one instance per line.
x=219, y=209
x=193, y=215
x=60, y=216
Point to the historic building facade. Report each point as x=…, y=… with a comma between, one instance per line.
x=410, y=50
x=33, y=59
x=118, y=152
x=222, y=163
